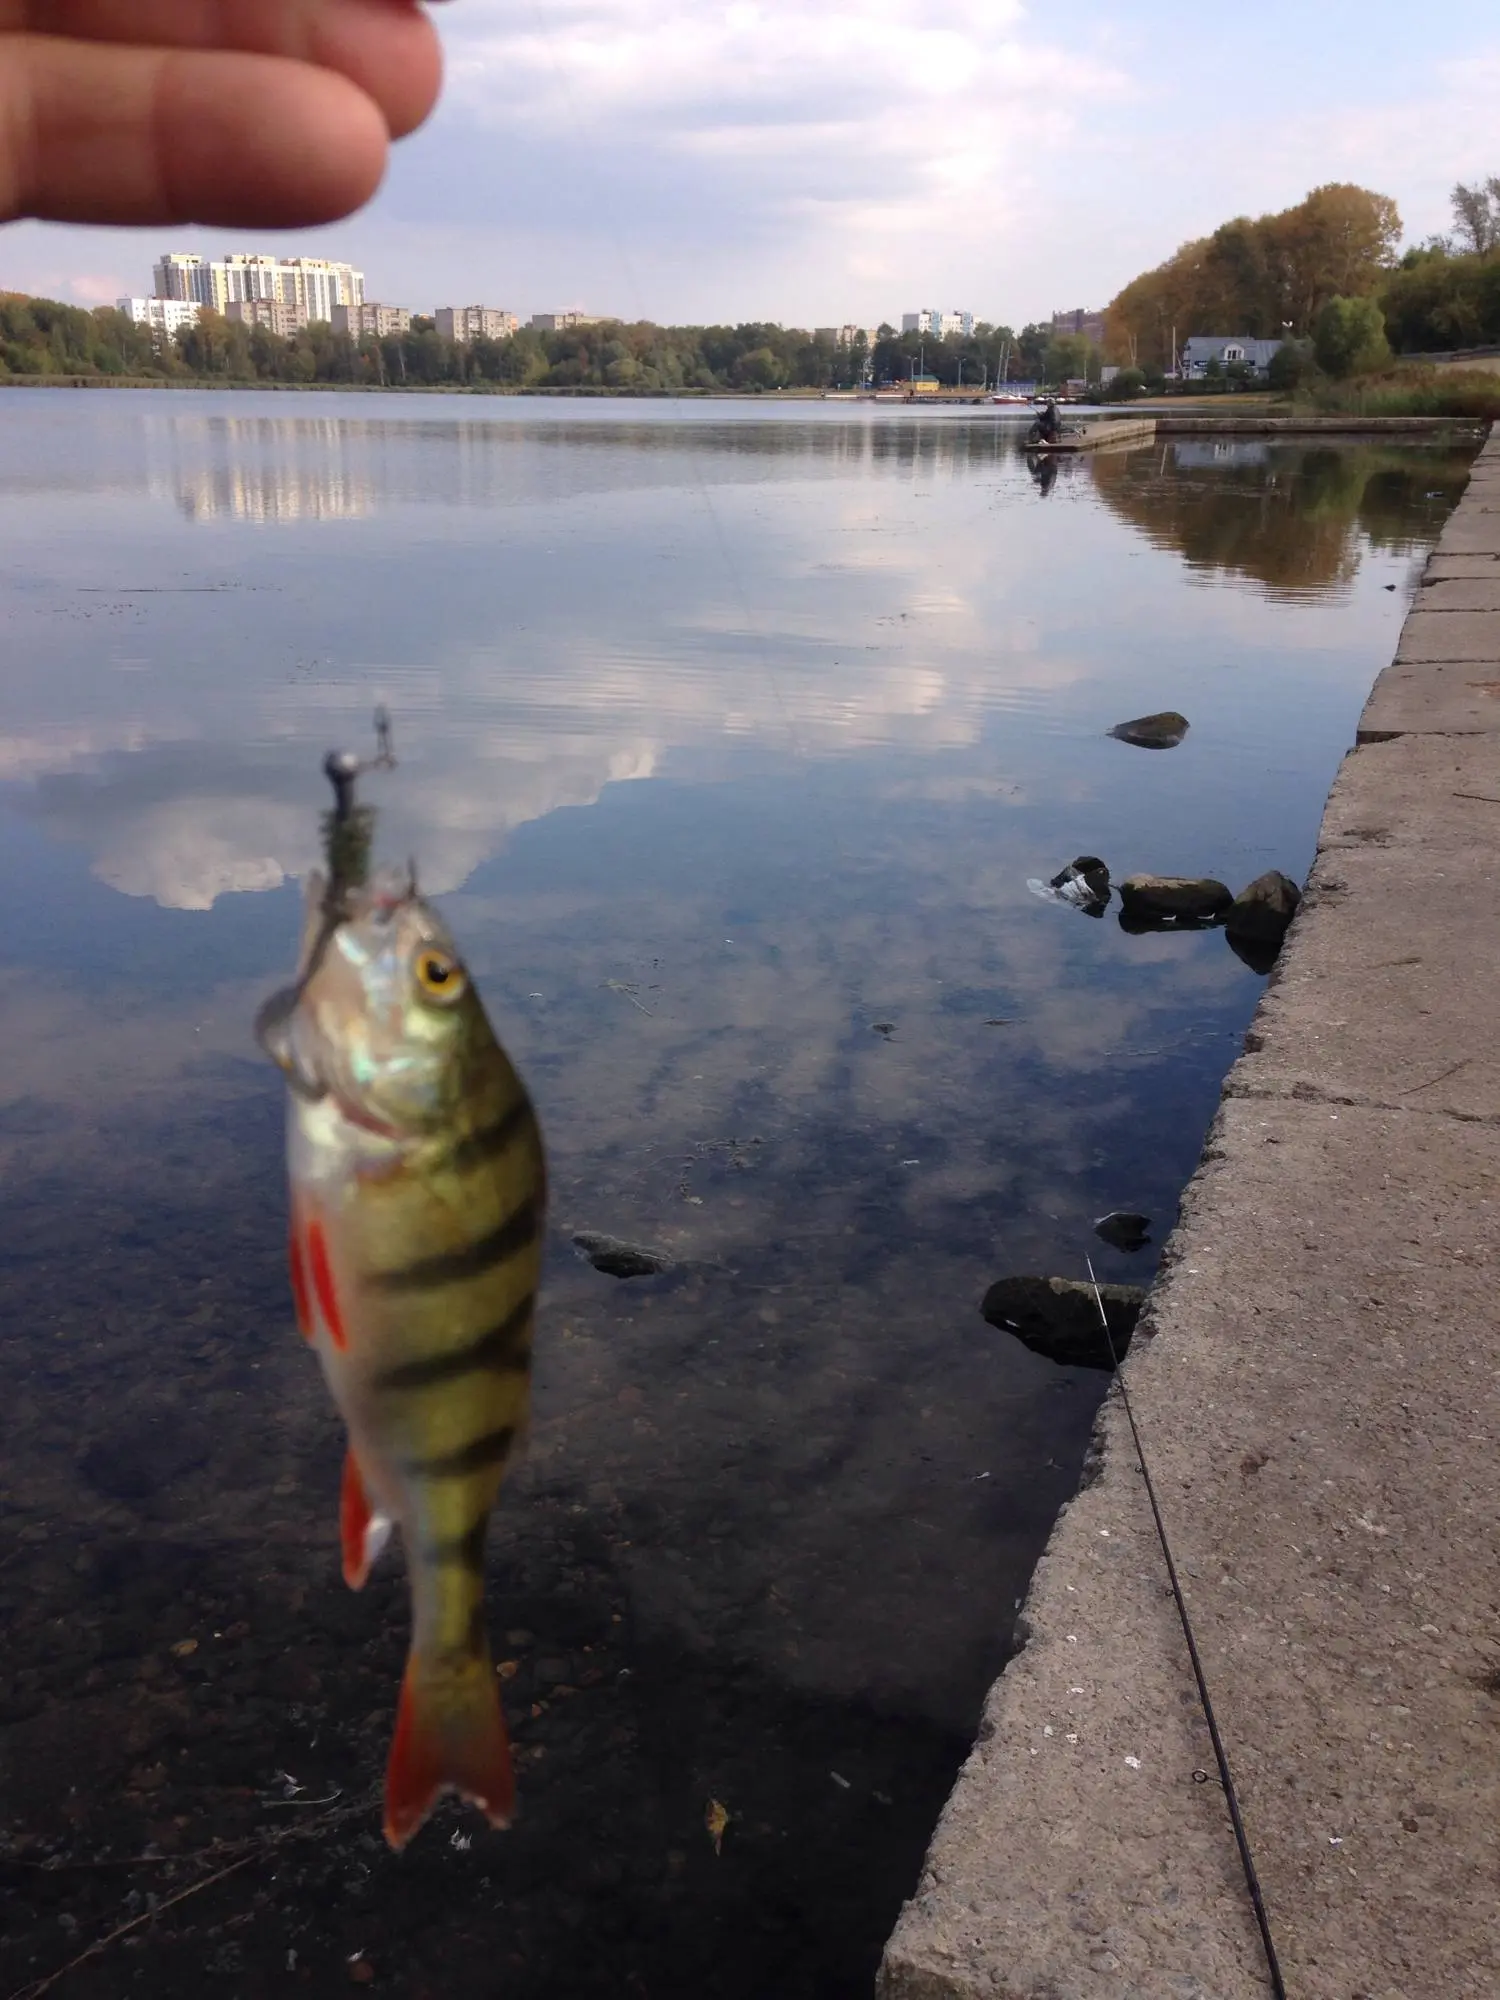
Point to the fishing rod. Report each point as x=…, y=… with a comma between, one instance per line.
x=1221, y=1755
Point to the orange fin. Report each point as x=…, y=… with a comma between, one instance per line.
x=450, y=1736
x=363, y=1532
x=322, y=1279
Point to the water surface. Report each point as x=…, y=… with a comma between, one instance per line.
x=730, y=738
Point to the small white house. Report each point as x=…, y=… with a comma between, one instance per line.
x=1225, y=348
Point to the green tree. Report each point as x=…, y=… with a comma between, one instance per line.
x=1349, y=338
x=1291, y=364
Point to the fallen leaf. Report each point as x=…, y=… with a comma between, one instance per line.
x=183, y=1647
x=716, y=1819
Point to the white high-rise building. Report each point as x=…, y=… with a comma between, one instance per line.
x=940, y=324
x=311, y=285
x=166, y=316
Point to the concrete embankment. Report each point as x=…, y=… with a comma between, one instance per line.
x=1317, y=1380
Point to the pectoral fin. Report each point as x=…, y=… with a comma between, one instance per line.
x=364, y=1533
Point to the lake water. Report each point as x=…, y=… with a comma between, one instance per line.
x=729, y=738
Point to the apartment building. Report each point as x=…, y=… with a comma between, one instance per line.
x=938, y=325
x=464, y=323
x=1080, y=320
x=846, y=336
x=563, y=322
x=312, y=285
x=369, y=319
x=270, y=313
x=163, y=316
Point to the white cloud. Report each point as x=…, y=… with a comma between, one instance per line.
x=875, y=143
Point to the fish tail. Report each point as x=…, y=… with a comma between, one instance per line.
x=450, y=1736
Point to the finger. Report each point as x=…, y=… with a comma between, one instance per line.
x=387, y=47
x=96, y=134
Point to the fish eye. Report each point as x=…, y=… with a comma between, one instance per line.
x=439, y=975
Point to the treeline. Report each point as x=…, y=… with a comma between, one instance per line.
x=1296, y=274
x=1440, y=300
x=39, y=338
x=1266, y=277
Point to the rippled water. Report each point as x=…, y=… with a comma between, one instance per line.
x=730, y=736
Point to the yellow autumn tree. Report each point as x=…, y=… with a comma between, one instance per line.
x=1262, y=276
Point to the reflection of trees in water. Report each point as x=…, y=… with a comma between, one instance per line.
x=1289, y=517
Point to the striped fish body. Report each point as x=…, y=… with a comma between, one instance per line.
x=417, y=1196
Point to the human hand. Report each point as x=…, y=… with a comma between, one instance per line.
x=250, y=113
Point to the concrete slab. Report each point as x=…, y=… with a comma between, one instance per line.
x=1424, y=795
x=1321, y=1403
x=1455, y=698
x=1385, y=999
x=1432, y=634
x=1441, y=567
x=1461, y=593
x=1470, y=532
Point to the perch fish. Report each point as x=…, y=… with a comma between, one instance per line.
x=417, y=1199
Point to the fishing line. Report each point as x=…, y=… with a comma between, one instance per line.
x=1221, y=1756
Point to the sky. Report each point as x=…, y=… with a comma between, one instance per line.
x=688, y=161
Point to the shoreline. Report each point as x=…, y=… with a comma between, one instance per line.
x=1315, y=1381
x=1193, y=422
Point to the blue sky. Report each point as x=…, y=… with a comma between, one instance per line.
x=817, y=161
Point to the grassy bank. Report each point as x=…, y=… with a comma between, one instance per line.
x=1405, y=392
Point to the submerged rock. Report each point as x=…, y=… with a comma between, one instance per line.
x=1124, y=1230
x=1058, y=1318
x=1263, y=910
x=618, y=1259
x=1153, y=732
x=1178, y=899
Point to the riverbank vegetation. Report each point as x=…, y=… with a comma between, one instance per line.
x=41, y=338
x=1324, y=278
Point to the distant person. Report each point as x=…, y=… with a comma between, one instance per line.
x=264, y=114
x=1049, y=427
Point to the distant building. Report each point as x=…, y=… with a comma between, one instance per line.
x=463, y=323
x=363, y=321
x=563, y=322
x=1080, y=320
x=282, y=320
x=846, y=336
x=313, y=285
x=943, y=325
x=164, y=316
x=1224, y=348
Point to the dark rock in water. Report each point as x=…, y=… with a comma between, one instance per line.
x=1153, y=732
x=1194, y=899
x=1263, y=910
x=1058, y=1318
x=1082, y=885
x=1124, y=1230
x=142, y=1455
x=1087, y=875
x=617, y=1259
